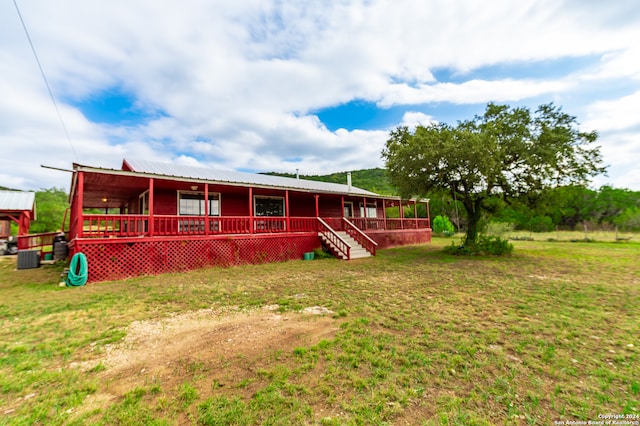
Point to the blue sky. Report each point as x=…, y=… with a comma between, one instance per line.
x=266, y=85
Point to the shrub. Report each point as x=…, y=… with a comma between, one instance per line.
x=442, y=225
x=495, y=245
x=486, y=245
x=322, y=253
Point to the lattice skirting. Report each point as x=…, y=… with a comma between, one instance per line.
x=122, y=258
x=387, y=239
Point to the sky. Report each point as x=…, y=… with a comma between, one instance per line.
x=314, y=86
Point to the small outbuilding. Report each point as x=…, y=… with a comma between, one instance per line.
x=18, y=207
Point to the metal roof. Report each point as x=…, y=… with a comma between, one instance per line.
x=17, y=200
x=225, y=176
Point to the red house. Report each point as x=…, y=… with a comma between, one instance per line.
x=150, y=218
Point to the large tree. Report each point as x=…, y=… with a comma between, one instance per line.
x=506, y=152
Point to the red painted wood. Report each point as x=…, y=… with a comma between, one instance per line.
x=165, y=202
x=114, y=259
x=388, y=239
x=121, y=245
x=79, y=203
x=151, y=199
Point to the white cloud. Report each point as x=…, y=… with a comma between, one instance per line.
x=472, y=91
x=618, y=114
x=237, y=81
x=412, y=119
x=620, y=152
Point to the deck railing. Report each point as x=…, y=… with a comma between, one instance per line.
x=42, y=242
x=335, y=242
x=132, y=225
x=373, y=224
x=358, y=235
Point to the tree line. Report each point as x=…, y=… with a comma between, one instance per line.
x=564, y=207
x=567, y=207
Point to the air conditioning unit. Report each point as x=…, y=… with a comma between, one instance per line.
x=28, y=259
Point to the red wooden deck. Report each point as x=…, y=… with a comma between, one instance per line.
x=123, y=246
x=132, y=225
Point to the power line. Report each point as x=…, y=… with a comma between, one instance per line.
x=46, y=82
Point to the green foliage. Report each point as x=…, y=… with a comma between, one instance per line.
x=540, y=224
x=442, y=225
x=630, y=218
x=51, y=205
x=504, y=153
x=321, y=253
x=569, y=207
x=485, y=245
x=494, y=245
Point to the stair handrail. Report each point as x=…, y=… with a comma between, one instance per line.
x=363, y=239
x=341, y=246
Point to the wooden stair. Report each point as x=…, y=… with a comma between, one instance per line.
x=357, y=251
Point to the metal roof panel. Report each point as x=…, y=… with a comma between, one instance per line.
x=174, y=170
x=17, y=200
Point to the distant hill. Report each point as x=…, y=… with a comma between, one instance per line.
x=374, y=180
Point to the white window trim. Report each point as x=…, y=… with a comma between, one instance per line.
x=198, y=193
x=142, y=204
x=370, y=205
x=352, y=210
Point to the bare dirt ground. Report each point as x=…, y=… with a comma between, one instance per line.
x=210, y=348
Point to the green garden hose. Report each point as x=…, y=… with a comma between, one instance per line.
x=78, y=274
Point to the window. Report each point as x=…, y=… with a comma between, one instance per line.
x=143, y=203
x=192, y=204
x=348, y=209
x=269, y=206
x=372, y=211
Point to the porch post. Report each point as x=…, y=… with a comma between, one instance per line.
x=206, y=209
x=317, y=205
x=342, y=205
x=364, y=212
x=286, y=210
x=415, y=211
x=384, y=213
x=23, y=223
x=79, y=200
x=428, y=215
x=151, y=207
x=401, y=215
x=251, y=210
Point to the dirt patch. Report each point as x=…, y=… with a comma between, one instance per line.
x=226, y=347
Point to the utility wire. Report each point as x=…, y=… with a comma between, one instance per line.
x=46, y=82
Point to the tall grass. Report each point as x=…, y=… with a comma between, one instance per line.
x=547, y=334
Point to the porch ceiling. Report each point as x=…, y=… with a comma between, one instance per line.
x=116, y=190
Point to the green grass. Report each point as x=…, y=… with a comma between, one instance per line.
x=549, y=333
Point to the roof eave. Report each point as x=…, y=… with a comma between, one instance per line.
x=82, y=168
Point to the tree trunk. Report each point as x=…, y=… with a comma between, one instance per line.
x=473, y=221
